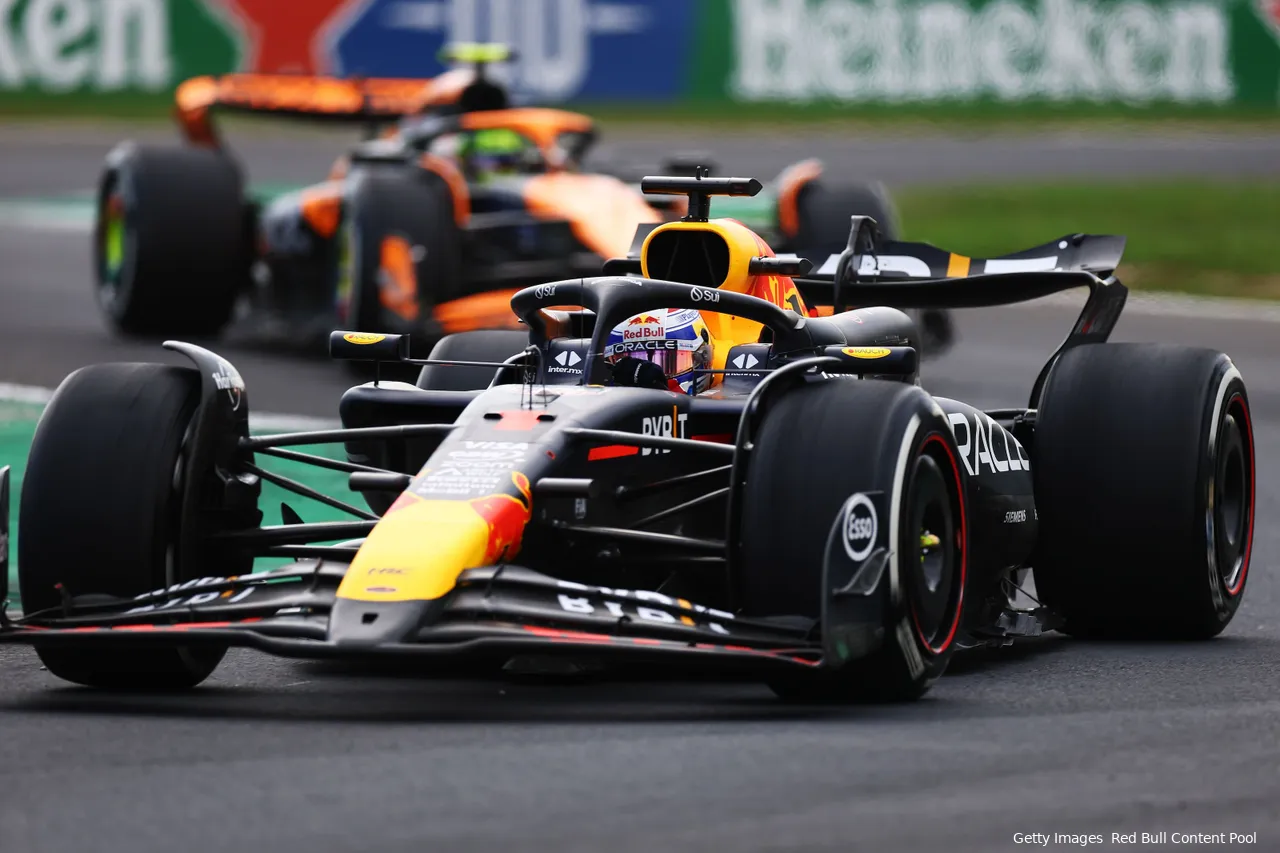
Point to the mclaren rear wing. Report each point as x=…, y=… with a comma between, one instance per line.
x=332, y=98
x=367, y=100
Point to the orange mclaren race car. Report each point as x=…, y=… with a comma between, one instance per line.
x=456, y=200
x=681, y=467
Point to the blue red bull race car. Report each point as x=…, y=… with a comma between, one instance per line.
x=679, y=465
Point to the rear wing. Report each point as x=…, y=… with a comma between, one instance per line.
x=370, y=100
x=918, y=275
x=903, y=274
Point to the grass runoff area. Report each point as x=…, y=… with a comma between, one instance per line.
x=1201, y=237
x=18, y=424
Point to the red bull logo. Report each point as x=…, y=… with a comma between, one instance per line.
x=644, y=327
x=506, y=517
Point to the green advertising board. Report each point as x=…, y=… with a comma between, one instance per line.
x=1195, y=52
x=1209, y=53
x=87, y=46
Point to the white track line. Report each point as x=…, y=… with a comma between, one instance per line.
x=1147, y=304
x=271, y=421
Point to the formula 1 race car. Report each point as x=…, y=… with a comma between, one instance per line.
x=428, y=229
x=683, y=469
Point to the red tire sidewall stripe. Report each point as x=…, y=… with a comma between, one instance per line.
x=1238, y=398
x=964, y=549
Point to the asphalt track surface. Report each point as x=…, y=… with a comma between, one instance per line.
x=1049, y=736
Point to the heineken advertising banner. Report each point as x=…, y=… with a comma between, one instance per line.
x=894, y=51
x=61, y=46
x=835, y=52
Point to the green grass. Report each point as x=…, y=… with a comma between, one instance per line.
x=1214, y=238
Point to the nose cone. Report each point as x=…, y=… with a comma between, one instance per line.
x=412, y=558
x=380, y=623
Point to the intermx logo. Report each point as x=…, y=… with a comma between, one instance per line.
x=664, y=426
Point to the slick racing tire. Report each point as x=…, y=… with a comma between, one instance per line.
x=399, y=254
x=492, y=346
x=817, y=449
x=171, y=241
x=1144, y=477
x=824, y=213
x=99, y=513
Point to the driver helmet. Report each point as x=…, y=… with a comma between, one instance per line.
x=675, y=339
x=495, y=151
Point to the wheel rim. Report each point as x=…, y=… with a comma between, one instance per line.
x=113, y=237
x=344, y=263
x=113, y=246
x=931, y=562
x=1232, y=504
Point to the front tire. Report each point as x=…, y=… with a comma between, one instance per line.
x=830, y=442
x=1144, y=474
x=100, y=509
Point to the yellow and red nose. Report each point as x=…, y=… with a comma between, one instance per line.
x=418, y=549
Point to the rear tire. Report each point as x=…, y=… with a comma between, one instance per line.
x=1144, y=476
x=100, y=509
x=399, y=254
x=824, y=230
x=828, y=442
x=171, y=252
x=493, y=346
x=824, y=213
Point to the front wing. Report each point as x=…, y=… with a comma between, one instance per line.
x=494, y=613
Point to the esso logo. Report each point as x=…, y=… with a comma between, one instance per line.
x=861, y=526
x=704, y=294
